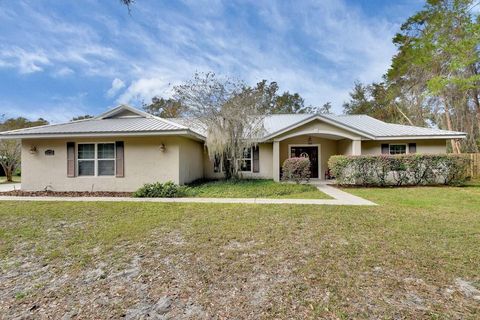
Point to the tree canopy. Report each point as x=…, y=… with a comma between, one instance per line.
x=435, y=74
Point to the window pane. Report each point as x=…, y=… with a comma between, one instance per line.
x=106, y=151
x=86, y=167
x=246, y=165
x=247, y=152
x=216, y=164
x=106, y=167
x=86, y=151
x=398, y=149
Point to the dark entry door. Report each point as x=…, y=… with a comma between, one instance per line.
x=308, y=152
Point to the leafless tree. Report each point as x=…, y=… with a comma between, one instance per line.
x=10, y=155
x=230, y=112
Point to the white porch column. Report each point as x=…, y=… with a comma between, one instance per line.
x=276, y=161
x=356, y=147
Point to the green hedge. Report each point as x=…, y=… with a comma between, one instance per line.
x=161, y=190
x=399, y=170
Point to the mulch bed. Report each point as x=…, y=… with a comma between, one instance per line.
x=20, y=193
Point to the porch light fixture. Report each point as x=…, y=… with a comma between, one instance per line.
x=162, y=147
x=309, y=140
x=33, y=149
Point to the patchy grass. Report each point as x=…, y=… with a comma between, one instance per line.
x=16, y=179
x=416, y=255
x=254, y=188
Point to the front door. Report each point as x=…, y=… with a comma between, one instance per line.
x=310, y=152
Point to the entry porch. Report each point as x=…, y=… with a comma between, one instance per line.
x=316, y=146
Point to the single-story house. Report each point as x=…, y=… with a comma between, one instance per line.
x=124, y=148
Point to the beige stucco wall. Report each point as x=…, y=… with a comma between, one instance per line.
x=191, y=161
x=344, y=147
x=423, y=146
x=320, y=128
x=144, y=163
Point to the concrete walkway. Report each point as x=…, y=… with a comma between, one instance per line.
x=339, y=198
x=5, y=187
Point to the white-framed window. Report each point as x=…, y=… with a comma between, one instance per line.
x=246, y=162
x=397, y=148
x=96, y=159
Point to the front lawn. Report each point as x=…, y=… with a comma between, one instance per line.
x=415, y=255
x=254, y=188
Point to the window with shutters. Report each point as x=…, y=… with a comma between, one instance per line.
x=96, y=159
x=398, y=149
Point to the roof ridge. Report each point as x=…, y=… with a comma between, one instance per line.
x=48, y=125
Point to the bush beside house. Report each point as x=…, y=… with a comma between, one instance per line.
x=399, y=170
x=161, y=190
x=296, y=169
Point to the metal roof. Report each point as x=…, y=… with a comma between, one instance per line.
x=125, y=119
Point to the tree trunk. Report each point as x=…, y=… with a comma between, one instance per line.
x=476, y=101
x=455, y=144
x=8, y=173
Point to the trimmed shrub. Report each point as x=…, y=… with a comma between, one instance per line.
x=399, y=170
x=161, y=190
x=296, y=169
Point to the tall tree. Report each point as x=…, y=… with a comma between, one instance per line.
x=230, y=111
x=438, y=54
x=282, y=102
x=165, y=108
x=10, y=150
x=376, y=100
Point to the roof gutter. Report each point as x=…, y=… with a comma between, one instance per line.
x=187, y=132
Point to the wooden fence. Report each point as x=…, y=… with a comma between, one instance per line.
x=474, y=170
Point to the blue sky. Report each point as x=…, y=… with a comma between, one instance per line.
x=60, y=59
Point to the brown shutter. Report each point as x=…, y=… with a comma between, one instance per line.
x=256, y=159
x=412, y=148
x=385, y=148
x=119, y=157
x=71, y=159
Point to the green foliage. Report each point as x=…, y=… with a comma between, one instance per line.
x=296, y=169
x=20, y=123
x=165, y=108
x=286, y=102
x=161, y=190
x=399, y=170
x=84, y=117
x=377, y=100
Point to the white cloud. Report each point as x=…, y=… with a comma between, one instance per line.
x=23, y=60
x=117, y=85
x=63, y=72
x=57, y=109
x=142, y=90
x=316, y=48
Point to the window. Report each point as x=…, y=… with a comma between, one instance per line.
x=96, y=159
x=217, y=164
x=86, y=159
x=246, y=164
x=398, y=149
x=106, y=159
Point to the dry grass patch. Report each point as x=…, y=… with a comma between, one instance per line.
x=413, y=256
